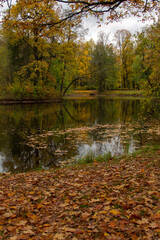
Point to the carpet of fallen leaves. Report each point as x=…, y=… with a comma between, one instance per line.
x=115, y=200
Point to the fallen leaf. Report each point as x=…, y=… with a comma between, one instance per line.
x=153, y=225
x=115, y=212
x=14, y=238
x=59, y=236
x=67, y=229
x=112, y=224
x=143, y=221
x=85, y=215
x=106, y=208
x=22, y=223
x=30, y=232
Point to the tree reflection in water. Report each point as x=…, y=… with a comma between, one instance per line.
x=34, y=136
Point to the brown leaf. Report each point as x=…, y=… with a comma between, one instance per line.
x=67, y=229
x=22, y=223
x=156, y=216
x=94, y=200
x=59, y=236
x=8, y=214
x=106, y=208
x=153, y=225
x=134, y=237
x=85, y=215
x=30, y=232
x=143, y=221
x=112, y=224
x=14, y=238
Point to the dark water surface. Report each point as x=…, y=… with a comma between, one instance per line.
x=45, y=135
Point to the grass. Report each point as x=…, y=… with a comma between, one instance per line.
x=94, y=93
x=123, y=92
x=145, y=150
x=91, y=158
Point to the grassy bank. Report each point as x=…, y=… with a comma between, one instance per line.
x=91, y=158
x=113, y=199
x=124, y=92
x=111, y=93
x=74, y=94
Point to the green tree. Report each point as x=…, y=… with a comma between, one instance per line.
x=125, y=49
x=140, y=70
x=152, y=60
x=146, y=69
x=103, y=64
x=5, y=76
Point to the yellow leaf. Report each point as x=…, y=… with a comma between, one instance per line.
x=106, y=234
x=115, y=212
x=102, y=212
x=32, y=192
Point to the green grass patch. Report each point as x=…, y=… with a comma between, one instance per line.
x=123, y=92
x=145, y=149
x=92, y=158
x=39, y=168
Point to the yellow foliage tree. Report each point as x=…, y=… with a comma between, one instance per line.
x=27, y=23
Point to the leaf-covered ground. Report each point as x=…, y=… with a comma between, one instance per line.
x=115, y=200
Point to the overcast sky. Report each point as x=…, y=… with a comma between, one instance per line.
x=131, y=24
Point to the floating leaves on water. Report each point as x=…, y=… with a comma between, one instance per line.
x=115, y=138
x=60, y=152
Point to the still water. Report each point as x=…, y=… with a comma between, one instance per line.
x=46, y=135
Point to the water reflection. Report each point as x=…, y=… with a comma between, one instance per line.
x=43, y=135
x=114, y=146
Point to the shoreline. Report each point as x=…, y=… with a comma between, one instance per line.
x=29, y=101
x=74, y=94
x=83, y=94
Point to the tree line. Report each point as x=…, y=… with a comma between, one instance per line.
x=42, y=56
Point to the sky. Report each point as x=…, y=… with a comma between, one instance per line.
x=132, y=24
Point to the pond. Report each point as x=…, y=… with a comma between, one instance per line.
x=49, y=135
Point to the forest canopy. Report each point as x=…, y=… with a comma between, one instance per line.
x=116, y=8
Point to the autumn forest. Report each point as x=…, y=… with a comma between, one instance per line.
x=44, y=54
x=79, y=122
